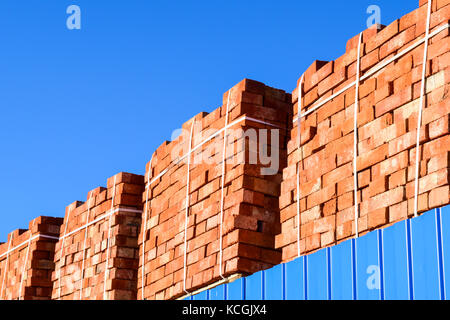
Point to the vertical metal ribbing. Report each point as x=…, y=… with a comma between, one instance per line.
x=329, y=282
x=409, y=252
x=440, y=253
x=354, y=270
x=380, y=243
x=283, y=266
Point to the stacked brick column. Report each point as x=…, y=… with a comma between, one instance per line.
x=250, y=198
x=387, y=130
x=98, y=242
x=26, y=261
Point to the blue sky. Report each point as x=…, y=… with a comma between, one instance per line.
x=78, y=106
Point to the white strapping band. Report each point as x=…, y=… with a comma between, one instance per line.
x=375, y=69
x=355, y=134
x=26, y=242
x=187, y=209
x=6, y=267
x=62, y=253
x=145, y=227
x=105, y=215
x=419, y=118
x=24, y=269
x=299, y=111
x=109, y=213
x=222, y=183
x=84, y=245
x=107, y=242
x=217, y=133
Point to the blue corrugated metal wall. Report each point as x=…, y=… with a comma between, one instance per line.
x=409, y=260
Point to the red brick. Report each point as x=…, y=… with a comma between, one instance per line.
x=398, y=211
x=345, y=201
x=383, y=36
x=438, y=197
x=370, y=158
x=379, y=185
x=397, y=179
x=378, y=218
x=332, y=81
x=439, y=127
x=312, y=242
x=439, y=162
x=397, y=42
x=327, y=238
x=393, y=102
x=338, y=174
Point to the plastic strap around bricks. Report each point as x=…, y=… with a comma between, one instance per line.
x=186, y=216
x=144, y=229
x=108, y=242
x=62, y=253
x=375, y=69
x=405, y=261
x=222, y=183
x=299, y=104
x=24, y=269
x=26, y=242
x=243, y=118
x=6, y=267
x=84, y=245
x=419, y=118
x=355, y=134
x=65, y=235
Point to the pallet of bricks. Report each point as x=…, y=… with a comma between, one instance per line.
x=26, y=261
x=97, y=254
x=389, y=84
x=205, y=219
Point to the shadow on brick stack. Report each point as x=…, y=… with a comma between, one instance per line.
x=26, y=261
x=97, y=255
x=388, y=105
x=182, y=255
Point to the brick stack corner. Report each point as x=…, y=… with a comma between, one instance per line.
x=26, y=261
x=85, y=260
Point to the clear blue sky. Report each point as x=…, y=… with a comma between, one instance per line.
x=78, y=106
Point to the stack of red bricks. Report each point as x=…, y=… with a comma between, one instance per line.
x=26, y=261
x=389, y=101
x=250, y=198
x=97, y=254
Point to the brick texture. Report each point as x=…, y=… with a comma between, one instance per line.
x=83, y=253
x=26, y=261
x=387, y=129
x=250, y=198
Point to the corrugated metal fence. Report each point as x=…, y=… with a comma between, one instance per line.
x=409, y=260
